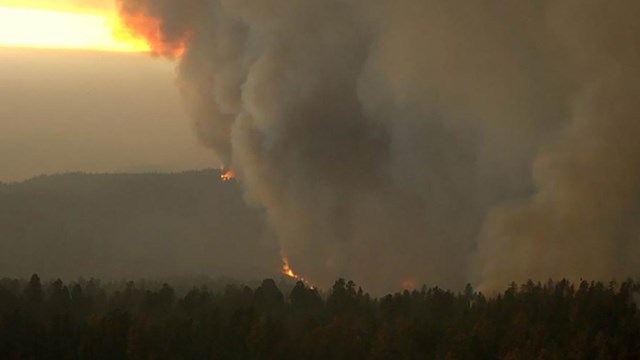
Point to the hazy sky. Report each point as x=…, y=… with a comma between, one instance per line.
x=75, y=110
x=83, y=5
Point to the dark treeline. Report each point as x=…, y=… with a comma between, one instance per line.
x=84, y=321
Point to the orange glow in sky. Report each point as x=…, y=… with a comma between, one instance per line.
x=56, y=29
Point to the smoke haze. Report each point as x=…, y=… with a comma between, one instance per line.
x=115, y=226
x=437, y=141
x=90, y=111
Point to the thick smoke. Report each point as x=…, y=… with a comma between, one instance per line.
x=438, y=141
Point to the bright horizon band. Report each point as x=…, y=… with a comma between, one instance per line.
x=38, y=28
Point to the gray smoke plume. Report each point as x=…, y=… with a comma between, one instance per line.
x=438, y=141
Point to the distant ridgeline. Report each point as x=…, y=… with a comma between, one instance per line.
x=132, y=226
x=88, y=321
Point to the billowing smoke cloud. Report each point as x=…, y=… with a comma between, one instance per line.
x=438, y=141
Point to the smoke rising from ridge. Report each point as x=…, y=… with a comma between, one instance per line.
x=446, y=142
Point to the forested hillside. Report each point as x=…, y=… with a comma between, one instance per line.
x=133, y=226
x=533, y=321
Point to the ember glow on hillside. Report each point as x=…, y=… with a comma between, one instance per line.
x=408, y=284
x=52, y=29
x=228, y=175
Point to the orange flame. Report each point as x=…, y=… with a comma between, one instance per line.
x=149, y=29
x=288, y=271
x=228, y=175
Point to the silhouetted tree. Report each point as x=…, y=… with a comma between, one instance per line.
x=34, y=290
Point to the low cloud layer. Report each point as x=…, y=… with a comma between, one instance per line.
x=441, y=142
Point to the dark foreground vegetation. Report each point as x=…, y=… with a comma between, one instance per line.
x=532, y=321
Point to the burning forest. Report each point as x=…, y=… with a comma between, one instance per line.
x=443, y=142
x=369, y=179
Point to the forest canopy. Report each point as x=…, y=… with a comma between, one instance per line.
x=88, y=320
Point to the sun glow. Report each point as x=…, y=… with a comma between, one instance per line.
x=38, y=28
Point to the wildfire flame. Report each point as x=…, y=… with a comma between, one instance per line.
x=149, y=28
x=288, y=271
x=228, y=175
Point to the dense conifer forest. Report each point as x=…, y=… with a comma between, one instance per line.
x=87, y=320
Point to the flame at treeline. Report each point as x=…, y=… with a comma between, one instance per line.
x=286, y=268
x=408, y=284
x=288, y=271
x=227, y=175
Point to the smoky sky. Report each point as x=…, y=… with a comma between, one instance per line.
x=82, y=5
x=440, y=141
x=90, y=111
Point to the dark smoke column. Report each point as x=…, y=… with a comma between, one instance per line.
x=279, y=90
x=273, y=89
x=420, y=141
